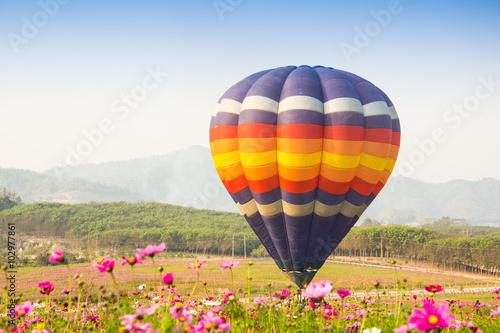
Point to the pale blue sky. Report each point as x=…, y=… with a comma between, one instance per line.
x=69, y=74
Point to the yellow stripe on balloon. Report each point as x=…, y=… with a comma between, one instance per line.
x=299, y=160
x=390, y=164
x=340, y=161
x=226, y=159
x=373, y=162
x=258, y=159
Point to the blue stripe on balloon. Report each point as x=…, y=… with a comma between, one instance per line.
x=276, y=229
x=297, y=228
x=267, y=197
x=368, y=93
x=329, y=199
x=386, y=98
x=396, y=126
x=344, y=118
x=378, y=121
x=300, y=117
x=243, y=196
x=240, y=89
x=260, y=230
x=302, y=81
x=252, y=116
x=226, y=118
x=271, y=83
x=298, y=198
x=355, y=198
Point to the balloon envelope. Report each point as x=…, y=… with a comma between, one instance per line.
x=303, y=151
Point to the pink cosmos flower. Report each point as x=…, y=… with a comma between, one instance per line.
x=343, y=293
x=197, y=265
x=229, y=264
x=431, y=316
x=99, y=261
x=495, y=312
x=56, y=256
x=284, y=294
x=434, y=289
x=212, y=322
x=23, y=309
x=107, y=266
x=132, y=260
x=151, y=250
x=318, y=289
x=178, y=312
x=143, y=312
x=168, y=278
x=65, y=291
x=404, y=328
x=47, y=287
x=496, y=291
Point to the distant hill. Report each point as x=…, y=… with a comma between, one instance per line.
x=188, y=178
x=34, y=187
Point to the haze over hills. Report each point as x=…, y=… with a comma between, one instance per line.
x=187, y=177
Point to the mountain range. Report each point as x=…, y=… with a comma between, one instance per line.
x=187, y=177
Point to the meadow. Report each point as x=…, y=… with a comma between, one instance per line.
x=217, y=294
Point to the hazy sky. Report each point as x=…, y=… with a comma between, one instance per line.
x=94, y=81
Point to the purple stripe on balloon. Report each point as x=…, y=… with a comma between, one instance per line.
x=298, y=228
x=252, y=116
x=300, y=117
x=270, y=85
x=378, y=121
x=395, y=125
x=302, y=81
x=267, y=197
x=243, y=196
x=329, y=199
x=386, y=98
x=298, y=198
x=344, y=118
x=355, y=198
x=212, y=122
x=240, y=89
x=276, y=229
x=338, y=88
x=259, y=227
x=320, y=228
x=226, y=118
x=368, y=93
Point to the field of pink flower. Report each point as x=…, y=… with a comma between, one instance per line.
x=150, y=294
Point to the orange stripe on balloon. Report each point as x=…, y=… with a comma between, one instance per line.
x=299, y=146
x=376, y=148
x=265, y=185
x=260, y=172
x=333, y=187
x=351, y=133
x=343, y=147
x=298, y=186
x=231, y=172
x=300, y=131
x=298, y=174
x=385, y=176
x=251, y=130
x=336, y=174
x=368, y=175
x=223, y=146
x=255, y=145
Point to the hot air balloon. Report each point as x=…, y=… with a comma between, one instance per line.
x=303, y=151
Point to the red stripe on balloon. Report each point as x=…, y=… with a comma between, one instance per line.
x=300, y=131
x=378, y=188
x=298, y=187
x=255, y=130
x=237, y=184
x=264, y=185
x=332, y=187
x=361, y=186
x=225, y=132
x=351, y=133
x=381, y=135
x=396, y=138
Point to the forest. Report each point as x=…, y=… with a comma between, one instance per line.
x=122, y=225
